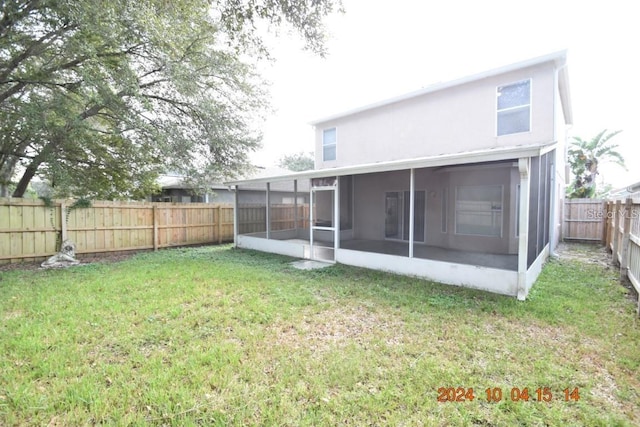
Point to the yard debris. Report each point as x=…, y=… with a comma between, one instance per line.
x=65, y=258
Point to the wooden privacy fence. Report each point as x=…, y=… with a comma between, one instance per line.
x=622, y=238
x=615, y=224
x=583, y=220
x=30, y=230
x=253, y=218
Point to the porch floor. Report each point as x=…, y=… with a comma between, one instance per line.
x=500, y=261
x=389, y=247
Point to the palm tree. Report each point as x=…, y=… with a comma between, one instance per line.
x=584, y=157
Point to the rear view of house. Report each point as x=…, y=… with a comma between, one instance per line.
x=460, y=182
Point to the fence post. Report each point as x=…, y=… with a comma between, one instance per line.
x=624, y=252
x=219, y=224
x=63, y=223
x=607, y=224
x=155, y=228
x=616, y=227
x=604, y=221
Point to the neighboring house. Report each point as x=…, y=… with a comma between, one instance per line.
x=461, y=182
x=632, y=191
x=175, y=189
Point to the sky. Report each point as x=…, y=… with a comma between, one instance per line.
x=381, y=49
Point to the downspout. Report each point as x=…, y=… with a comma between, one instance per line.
x=554, y=194
x=553, y=207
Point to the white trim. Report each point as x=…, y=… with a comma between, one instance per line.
x=236, y=217
x=334, y=144
x=295, y=204
x=524, y=166
x=281, y=247
x=478, y=167
x=471, y=276
x=547, y=149
x=268, y=211
x=311, y=203
x=467, y=157
x=412, y=202
x=559, y=58
x=335, y=223
x=536, y=268
x=336, y=219
x=519, y=107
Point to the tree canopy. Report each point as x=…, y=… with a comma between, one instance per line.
x=297, y=162
x=584, y=158
x=99, y=97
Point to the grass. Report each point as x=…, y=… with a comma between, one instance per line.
x=217, y=336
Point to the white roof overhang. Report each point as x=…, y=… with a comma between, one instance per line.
x=467, y=157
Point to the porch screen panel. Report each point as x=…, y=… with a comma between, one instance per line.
x=393, y=218
x=397, y=208
x=534, y=210
x=288, y=210
x=346, y=202
x=252, y=210
x=479, y=210
x=542, y=203
x=548, y=185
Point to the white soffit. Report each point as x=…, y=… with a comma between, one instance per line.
x=487, y=155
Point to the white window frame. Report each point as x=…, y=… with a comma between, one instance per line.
x=455, y=216
x=519, y=107
x=334, y=144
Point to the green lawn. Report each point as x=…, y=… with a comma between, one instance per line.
x=217, y=336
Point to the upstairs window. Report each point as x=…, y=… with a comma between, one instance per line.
x=329, y=144
x=514, y=108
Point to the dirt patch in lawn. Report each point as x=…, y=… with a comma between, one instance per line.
x=584, y=252
x=339, y=327
x=593, y=254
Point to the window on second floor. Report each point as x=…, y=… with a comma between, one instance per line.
x=514, y=108
x=329, y=144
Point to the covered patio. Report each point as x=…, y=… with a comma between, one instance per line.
x=477, y=219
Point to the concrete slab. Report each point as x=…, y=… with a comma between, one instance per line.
x=306, y=264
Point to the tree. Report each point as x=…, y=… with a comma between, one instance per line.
x=97, y=98
x=584, y=158
x=297, y=162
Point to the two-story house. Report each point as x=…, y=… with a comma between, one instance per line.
x=460, y=182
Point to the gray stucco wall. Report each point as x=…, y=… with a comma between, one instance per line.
x=452, y=120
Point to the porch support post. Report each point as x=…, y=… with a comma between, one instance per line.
x=311, y=220
x=236, y=216
x=523, y=221
x=553, y=208
x=336, y=216
x=412, y=187
x=295, y=206
x=268, y=210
